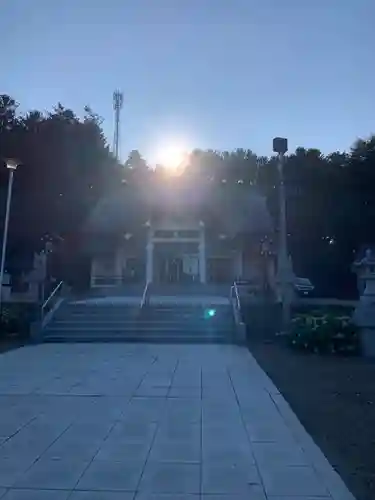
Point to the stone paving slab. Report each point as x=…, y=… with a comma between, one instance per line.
x=151, y=422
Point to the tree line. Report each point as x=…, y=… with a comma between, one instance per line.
x=67, y=166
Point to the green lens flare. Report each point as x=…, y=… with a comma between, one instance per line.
x=209, y=313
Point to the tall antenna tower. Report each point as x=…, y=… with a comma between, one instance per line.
x=118, y=99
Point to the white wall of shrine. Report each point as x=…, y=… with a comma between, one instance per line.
x=109, y=269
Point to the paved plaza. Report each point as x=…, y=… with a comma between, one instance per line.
x=151, y=422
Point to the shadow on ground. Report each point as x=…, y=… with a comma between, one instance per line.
x=334, y=398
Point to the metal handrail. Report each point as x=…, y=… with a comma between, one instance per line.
x=234, y=288
x=145, y=295
x=50, y=297
x=237, y=315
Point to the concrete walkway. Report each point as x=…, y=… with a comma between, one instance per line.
x=124, y=422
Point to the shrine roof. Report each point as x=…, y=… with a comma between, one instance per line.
x=233, y=208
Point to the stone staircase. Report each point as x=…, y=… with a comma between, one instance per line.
x=189, y=290
x=163, y=322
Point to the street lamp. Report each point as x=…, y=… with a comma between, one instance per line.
x=11, y=165
x=280, y=146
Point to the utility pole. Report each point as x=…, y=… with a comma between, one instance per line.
x=280, y=146
x=118, y=99
x=12, y=167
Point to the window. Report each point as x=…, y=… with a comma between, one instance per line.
x=188, y=234
x=182, y=233
x=161, y=233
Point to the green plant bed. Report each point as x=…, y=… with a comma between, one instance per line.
x=324, y=334
x=15, y=320
x=315, y=310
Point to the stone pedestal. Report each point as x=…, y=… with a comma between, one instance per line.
x=202, y=257
x=367, y=338
x=36, y=332
x=364, y=315
x=149, y=262
x=289, y=275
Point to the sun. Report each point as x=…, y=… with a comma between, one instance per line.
x=172, y=157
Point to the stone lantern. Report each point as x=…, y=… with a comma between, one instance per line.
x=290, y=279
x=364, y=315
x=268, y=258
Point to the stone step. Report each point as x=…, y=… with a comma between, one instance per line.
x=176, y=339
x=145, y=313
x=143, y=323
x=153, y=331
x=156, y=316
x=122, y=330
x=157, y=307
x=190, y=289
x=164, y=323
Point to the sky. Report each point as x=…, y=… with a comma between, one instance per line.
x=216, y=74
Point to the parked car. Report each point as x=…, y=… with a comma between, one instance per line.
x=303, y=287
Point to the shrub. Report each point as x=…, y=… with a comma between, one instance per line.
x=15, y=319
x=324, y=334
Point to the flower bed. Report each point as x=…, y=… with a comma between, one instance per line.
x=324, y=333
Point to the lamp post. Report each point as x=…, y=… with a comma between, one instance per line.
x=11, y=166
x=280, y=146
x=46, y=251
